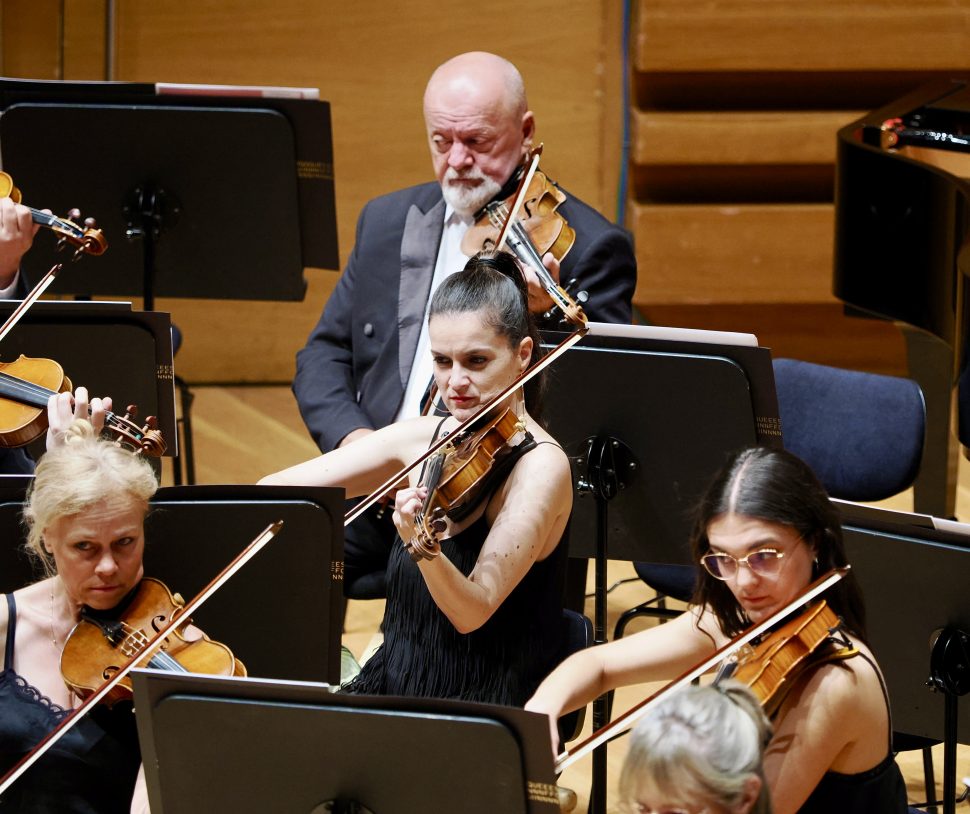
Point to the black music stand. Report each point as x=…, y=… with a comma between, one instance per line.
x=253, y=746
x=108, y=348
x=228, y=192
x=913, y=573
x=282, y=613
x=648, y=416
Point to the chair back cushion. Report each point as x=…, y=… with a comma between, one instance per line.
x=862, y=433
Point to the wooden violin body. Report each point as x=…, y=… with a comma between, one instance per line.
x=529, y=225
x=21, y=421
x=26, y=384
x=97, y=648
x=546, y=227
x=771, y=667
x=462, y=471
x=466, y=468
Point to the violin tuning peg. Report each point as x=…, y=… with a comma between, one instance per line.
x=151, y=422
x=74, y=214
x=90, y=223
x=438, y=526
x=131, y=411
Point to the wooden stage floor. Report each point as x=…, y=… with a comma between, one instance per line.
x=242, y=433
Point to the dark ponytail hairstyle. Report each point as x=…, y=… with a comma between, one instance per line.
x=773, y=485
x=492, y=283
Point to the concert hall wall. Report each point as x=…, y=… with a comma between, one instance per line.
x=734, y=108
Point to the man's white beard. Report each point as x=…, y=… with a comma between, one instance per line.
x=467, y=200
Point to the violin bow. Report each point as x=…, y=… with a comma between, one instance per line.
x=625, y=721
x=30, y=299
x=520, y=193
x=524, y=249
x=153, y=644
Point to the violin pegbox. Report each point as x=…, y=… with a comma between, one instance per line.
x=86, y=239
x=425, y=544
x=143, y=440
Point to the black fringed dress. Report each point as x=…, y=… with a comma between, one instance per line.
x=501, y=663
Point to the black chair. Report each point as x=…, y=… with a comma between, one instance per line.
x=674, y=581
x=861, y=433
x=579, y=635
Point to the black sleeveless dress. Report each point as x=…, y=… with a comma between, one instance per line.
x=502, y=662
x=91, y=770
x=879, y=790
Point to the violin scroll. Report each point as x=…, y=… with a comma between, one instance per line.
x=86, y=240
x=425, y=544
x=144, y=440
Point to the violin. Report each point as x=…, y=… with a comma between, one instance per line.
x=86, y=240
x=462, y=470
x=540, y=228
x=624, y=722
x=496, y=401
x=97, y=647
x=25, y=387
x=772, y=666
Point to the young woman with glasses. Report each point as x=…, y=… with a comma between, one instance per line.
x=764, y=530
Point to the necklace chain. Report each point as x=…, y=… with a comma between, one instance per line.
x=53, y=636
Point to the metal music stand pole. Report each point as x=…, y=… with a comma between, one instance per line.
x=608, y=466
x=148, y=213
x=950, y=674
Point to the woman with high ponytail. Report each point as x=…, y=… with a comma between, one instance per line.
x=477, y=613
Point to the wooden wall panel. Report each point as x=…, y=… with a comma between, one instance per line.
x=806, y=35
x=709, y=255
x=84, y=39
x=736, y=106
x=736, y=137
x=30, y=39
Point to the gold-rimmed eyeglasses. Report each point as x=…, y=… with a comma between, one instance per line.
x=765, y=562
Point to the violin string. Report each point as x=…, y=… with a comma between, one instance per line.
x=52, y=220
x=136, y=639
x=37, y=396
x=17, y=387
